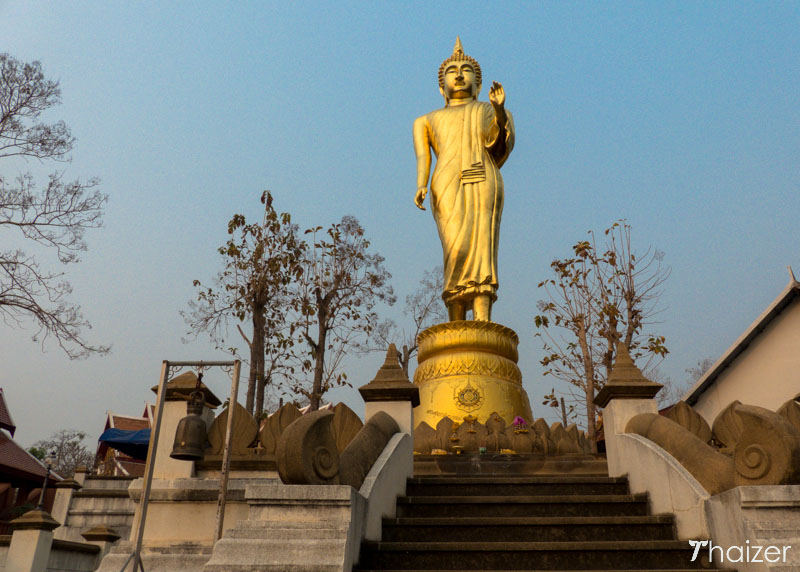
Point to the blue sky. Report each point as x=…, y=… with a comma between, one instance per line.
x=683, y=118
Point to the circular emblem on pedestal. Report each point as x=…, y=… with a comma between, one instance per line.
x=468, y=398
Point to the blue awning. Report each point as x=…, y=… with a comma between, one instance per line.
x=132, y=443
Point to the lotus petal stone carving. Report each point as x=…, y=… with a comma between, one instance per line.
x=425, y=439
x=561, y=440
x=684, y=415
x=275, y=425
x=727, y=428
x=471, y=434
x=496, y=440
x=346, y=424
x=521, y=441
x=243, y=432
x=495, y=435
x=791, y=411
x=444, y=433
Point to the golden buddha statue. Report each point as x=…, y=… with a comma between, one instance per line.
x=467, y=368
x=471, y=140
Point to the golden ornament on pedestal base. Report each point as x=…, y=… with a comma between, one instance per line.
x=469, y=368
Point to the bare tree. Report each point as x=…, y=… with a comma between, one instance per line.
x=597, y=299
x=424, y=307
x=70, y=451
x=336, y=294
x=260, y=262
x=55, y=216
x=700, y=369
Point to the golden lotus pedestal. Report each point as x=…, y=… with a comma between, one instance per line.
x=469, y=368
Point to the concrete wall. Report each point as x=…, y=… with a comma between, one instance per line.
x=758, y=516
x=5, y=540
x=671, y=488
x=386, y=481
x=185, y=510
x=72, y=557
x=63, y=556
x=766, y=373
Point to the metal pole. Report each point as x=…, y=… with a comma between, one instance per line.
x=149, y=466
x=40, y=506
x=226, y=452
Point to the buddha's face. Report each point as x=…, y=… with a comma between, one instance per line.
x=459, y=81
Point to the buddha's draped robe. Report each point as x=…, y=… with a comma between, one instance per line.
x=467, y=194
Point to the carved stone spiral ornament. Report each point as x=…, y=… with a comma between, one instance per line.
x=325, y=462
x=768, y=450
x=752, y=461
x=759, y=447
x=307, y=453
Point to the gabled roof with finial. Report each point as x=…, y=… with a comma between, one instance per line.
x=789, y=294
x=626, y=380
x=181, y=387
x=5, y=415
x=390, y=383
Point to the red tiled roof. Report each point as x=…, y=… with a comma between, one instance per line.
x=129, y=423
x=16, y=460
x=5, y=415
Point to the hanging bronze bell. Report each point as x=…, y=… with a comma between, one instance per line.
x=190, y=437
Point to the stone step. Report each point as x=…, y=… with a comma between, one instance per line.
x=102, y=493
x=522, y=506
x=95, y=483
x=553, y=529
x=606, y=555
x=503, y=465
x=358, y=569
x=507, y=486
x=286, y=531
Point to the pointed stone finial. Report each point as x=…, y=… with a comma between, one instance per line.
x=101, y=533
x=791, y=274
x=458, y=48
x=625, y=370
x=626, y=380
x=36, y=519
x=391, y=371
x=390, y=383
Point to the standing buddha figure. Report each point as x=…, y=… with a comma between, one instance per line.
x=471, y=140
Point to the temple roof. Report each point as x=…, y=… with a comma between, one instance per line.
x=16, y=461
x=779, y=304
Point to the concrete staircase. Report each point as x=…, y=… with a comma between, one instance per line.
x=102, y=500
x=534, y=523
